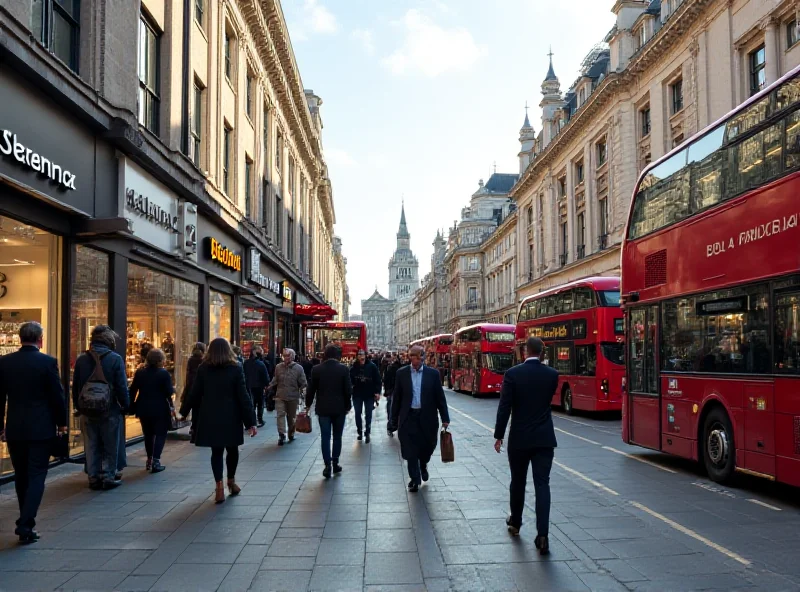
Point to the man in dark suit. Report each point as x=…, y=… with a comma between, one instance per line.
x=30, y=381
x=331, y=385
x=526, y=396
x=417, y=403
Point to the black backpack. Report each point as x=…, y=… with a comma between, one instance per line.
x=94, y=400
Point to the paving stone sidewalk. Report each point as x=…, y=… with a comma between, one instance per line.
x=292, y=530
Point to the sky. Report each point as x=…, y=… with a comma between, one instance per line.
x=421, y=99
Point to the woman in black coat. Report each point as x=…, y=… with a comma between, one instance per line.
x=220, y=390
x=198, y=351
x=151, y=401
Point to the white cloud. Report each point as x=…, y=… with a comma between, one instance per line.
x=316, y=19
x=433, y=50
x=364, y=36
x=340, y=157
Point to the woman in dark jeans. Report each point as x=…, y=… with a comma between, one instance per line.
x=151, y=401
x=219, y=389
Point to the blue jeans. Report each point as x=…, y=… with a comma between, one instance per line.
x=368, y=404
x=101, y=444
x=328, y=424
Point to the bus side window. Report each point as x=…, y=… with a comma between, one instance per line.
x=586, y=360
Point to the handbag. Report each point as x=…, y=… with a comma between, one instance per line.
x=446, y=445
x=302, y=423
x=271, y=392
x=59, y=446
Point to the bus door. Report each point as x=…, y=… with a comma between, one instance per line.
x=644, y=409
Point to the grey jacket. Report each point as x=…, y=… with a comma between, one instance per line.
x=291, y=380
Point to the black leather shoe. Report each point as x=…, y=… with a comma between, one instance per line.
x=423, y=469
x=260, y=423
x=291, y=437
x=28, y=538
x=512, y=528
x=111, y=484
x=413, y=487
x=337, y=468
x=118, y=476
x=359, y=437
x=281, y=439
x=148, y=465
x=366, y=438
x=326, y=472
x=542, y=544
x=157, y=466
x=96, y=486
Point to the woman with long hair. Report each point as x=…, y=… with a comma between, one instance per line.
x=220, y=390
x=151, y=401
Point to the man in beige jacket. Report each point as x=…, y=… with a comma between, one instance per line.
x=291, y=384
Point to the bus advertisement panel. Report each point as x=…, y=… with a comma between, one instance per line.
x=479, y=356
x=711, y=292
x=350, y=336
x=581, y=326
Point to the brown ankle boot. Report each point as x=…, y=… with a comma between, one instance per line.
x=220, y=493
x=233, y=488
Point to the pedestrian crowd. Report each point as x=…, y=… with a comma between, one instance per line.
x=225, y=397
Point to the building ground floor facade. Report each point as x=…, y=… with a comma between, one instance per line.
x=90, y=235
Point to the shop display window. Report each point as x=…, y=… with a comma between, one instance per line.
x=163, y=312
x=219, y=315
x=89, y=309
x=30, y=290
x=255, y=329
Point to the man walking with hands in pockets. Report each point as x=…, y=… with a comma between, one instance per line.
x=416, y=406
x=526, y=396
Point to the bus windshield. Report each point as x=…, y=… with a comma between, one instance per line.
x=609, y=298
x=498, y=363
x=342, y=334
x=613, y=352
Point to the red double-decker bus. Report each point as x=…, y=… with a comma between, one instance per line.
x=351, y=336
x=437, y=352
x=711, y=292
x=582, y=328
x=479, y=357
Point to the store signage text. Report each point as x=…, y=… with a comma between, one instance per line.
x=33, y=160
x=259, y=278
x=223, y=255
x=751, y=235
x=150, y=210
x=286, y=292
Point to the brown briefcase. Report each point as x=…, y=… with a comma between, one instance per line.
x=446, y=445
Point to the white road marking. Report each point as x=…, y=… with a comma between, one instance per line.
x=641, y=460
x=578, y=437
x=714, y=489
x=483, y=425
x=693, y=534
x=764, y=504
x=585, y=478
x=588, y=425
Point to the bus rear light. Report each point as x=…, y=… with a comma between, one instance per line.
x=604, y=387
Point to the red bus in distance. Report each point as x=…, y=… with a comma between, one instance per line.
x=581, y=326
x=479, y=357
x=351, y=336
x=711, y=292
x=437, y=351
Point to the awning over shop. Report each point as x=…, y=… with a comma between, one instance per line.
x=314, y=312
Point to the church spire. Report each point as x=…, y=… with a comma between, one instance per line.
x=551, y=75
x=403, y=231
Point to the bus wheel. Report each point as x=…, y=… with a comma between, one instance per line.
x=719, y=452
x=566, y=401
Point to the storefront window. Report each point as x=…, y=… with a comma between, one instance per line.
x=89, y=309
x=162, y=312
x=30, y=290
x=219, y=315
x=255, y=329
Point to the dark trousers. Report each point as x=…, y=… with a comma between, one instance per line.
x=155, y=436
x=231, y=461
x=257, y=394
x=30, y=459
x=331, y=425
x=416, y=450
x=368, y=403
x=388, y=412
x=541, y=461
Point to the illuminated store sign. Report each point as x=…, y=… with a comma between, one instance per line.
x=223, y=255
x=9, y=146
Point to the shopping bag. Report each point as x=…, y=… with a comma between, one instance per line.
x=302, y=423
x=271, y=392
x=446, y=446
x=59, y=446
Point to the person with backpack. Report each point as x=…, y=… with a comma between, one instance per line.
x=99, y=397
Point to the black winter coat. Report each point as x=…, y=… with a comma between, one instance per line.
x=330, y=384
x=366, y=380
x=256, y=374
x=191, y=373
x=389, y=378
x=225, y=406
x=151, y=396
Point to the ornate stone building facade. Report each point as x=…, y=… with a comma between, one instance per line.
x=666, y=70
x=378, y=313
x=500, y=272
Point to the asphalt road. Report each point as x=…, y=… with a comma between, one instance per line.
x=659, y=514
